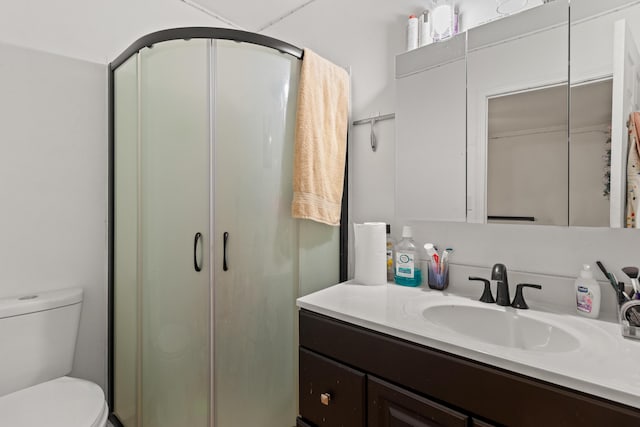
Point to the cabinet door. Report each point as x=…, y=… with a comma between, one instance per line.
x=331, y=394
x=431, y=132
x=391, y=406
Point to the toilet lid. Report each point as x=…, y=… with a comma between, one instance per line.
x=62, y=402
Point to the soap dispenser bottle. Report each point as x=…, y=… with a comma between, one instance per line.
x=587, y=293
x=407, y=271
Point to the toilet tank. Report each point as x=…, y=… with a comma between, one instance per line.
x=38, y=334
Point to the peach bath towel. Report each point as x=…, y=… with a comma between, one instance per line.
x=320, y=140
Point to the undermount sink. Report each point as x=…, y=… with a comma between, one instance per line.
x=505, y=327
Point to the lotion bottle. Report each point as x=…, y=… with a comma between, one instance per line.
x=587, y=293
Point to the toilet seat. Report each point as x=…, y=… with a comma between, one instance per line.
x=62, y=402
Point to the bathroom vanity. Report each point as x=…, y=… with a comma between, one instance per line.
x=384, y=356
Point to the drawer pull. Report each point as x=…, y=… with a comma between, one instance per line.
x=325, y=398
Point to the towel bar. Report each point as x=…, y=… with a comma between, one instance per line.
x=373, y=120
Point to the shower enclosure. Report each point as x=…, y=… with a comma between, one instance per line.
x=205, y=259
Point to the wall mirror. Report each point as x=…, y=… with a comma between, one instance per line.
x=527, y=179
x=527, y=156
x=534, y=174
x=517, y=118
x=604, y=58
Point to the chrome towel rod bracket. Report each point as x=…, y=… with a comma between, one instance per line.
x=373, y=120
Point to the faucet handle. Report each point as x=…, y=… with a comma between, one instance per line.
x=518, y=301
x=486, y=295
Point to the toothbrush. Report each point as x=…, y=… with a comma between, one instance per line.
x=612, y=281
x=632, y=273
x=625, y=296
x=430, y=249
x=445, y=256
x=433, y=254
x=621, y=286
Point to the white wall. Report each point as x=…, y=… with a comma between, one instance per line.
x=53, y=187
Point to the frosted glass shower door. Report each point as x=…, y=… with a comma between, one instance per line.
x=174, y=208
x=254, y=311
x=126, y=310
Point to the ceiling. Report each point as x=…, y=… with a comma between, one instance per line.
x=258, y=15
x=250, y=15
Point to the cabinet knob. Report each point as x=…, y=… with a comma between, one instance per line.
x=325, y=398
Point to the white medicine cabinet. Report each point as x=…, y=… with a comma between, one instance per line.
x=494, y=126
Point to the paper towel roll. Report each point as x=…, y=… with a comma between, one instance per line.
x=371, y=253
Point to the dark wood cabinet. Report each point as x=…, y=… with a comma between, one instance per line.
x=393, y=406
x=302, y=423
x=399, y=383
x=331, y=394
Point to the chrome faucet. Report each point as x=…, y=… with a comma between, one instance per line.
x=499, y=273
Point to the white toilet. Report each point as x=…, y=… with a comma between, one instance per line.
x=38, y=337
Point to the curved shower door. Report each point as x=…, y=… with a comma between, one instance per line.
x=174, y=225
x=254, y=298
x=125, y=242
x=207, y=259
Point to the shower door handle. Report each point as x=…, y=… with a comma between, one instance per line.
x=225, y=236
x=196, y=239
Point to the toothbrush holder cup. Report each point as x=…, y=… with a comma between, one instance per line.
x=438, y=275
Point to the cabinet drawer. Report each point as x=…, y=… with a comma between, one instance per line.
x=390, y=405
x=331, y=394
x=478, y=423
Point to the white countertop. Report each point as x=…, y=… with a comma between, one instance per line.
x=605, y=364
